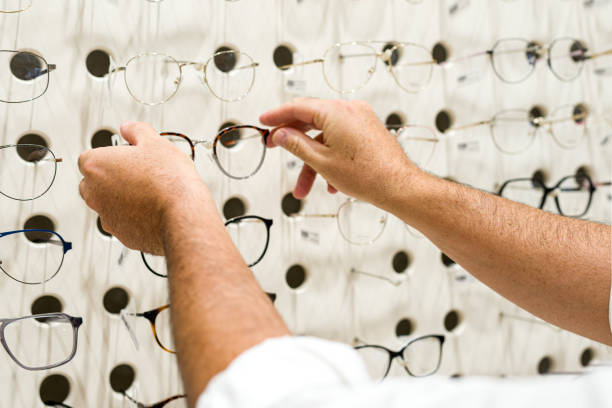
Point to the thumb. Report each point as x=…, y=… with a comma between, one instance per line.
x=136, y=132
x=298, y=144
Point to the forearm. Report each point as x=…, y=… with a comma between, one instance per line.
x=555, y=267
x=218, y=308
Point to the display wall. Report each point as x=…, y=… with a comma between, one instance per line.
x=386, y=293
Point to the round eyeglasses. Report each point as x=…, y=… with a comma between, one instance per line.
x=24, y=76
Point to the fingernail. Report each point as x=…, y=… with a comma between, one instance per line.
x=125, y=125
x=280, y=137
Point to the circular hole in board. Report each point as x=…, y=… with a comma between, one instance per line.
x=98, y=63
x=452, y=320
x=295, y=276
x=440, y=52
x=404, y=327
x=225, y=62
x=272, y=296
x=54, y=389
x=446, y=260
x=115, y=300
x=122, y=377
x=444, y=120
x=290, y=205
x=31, y=138
x=395, y=54
x=283, y=55
x=587, y=356
x=400, y=262
x=46, y=304
x=230, y=138
x=395, y=120
x=234, y=207
x=26, y=66
x=545, y=365
x=39, y=222
x=102, y=138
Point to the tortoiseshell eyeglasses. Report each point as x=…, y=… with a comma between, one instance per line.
x=161, y=326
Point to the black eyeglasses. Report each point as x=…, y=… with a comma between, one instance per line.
x=421, y=357
x=24, y=76
x=573, y=194
x=250, y=233
x=172, y=402
x=58, y=332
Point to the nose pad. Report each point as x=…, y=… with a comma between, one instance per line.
x=371, y=70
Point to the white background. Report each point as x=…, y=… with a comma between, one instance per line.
x=331, y=304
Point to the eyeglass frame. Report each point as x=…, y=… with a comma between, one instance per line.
x=55, y=159
x=151, y=316
x=539, y=52
x=385, y=56
x=74, y=321
x=17, y=11
x=265, y=133
x=159, y=404
x=66, y=246
x=267, y=222
x=199, y=66
x=397, y=130
x=50, y=67
x=546, y=191
x=398, y=354
x=538, y=122
x=348, y=201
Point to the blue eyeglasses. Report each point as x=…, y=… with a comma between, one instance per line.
x=32, y=256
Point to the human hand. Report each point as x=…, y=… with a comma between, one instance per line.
x=134, y=188
x=355, y=153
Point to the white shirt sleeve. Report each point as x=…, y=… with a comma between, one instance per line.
x=299, y=372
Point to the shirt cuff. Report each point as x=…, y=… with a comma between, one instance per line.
x=280, y=368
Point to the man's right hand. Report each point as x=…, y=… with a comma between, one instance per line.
x=354, y=152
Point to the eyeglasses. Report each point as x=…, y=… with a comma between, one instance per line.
x=573, y=194
x=32, y=256
x=172, y=402
x=238, y=151
x=347, y=67
x=55, y=336
x=514, y=130
x=359, y=223
x=250, y=234
x=14, y=6
x=418, y=142
x=160, y=324
x=27, y=171
x=421, y=357
x=153, y=78
x=24, y=76
x=514, y=59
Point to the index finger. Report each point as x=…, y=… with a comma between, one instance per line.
x=309, y=111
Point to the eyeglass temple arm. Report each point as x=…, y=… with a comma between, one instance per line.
x=316, y=215
x=600, y=54
x=471, y=125
x=373, y=275
x=297, y=64
x=579, y=116
x=465, y=57
x=138, y=404
x=603, y=184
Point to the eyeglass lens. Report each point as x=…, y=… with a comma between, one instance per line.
x=27, y=171
x=23, y=77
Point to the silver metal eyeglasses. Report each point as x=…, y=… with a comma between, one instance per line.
x=514, y=130
x=23, y=337
x=27, y=171
x=153, y=78
x=359, y=223
x=418, y=142
x=14, y=6
x=347, y=67
x=514, y=59
x=24, y=76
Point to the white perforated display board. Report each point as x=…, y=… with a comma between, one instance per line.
x=333, y=303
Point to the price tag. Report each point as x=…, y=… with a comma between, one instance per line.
x=296, y=86
x=310, y=236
